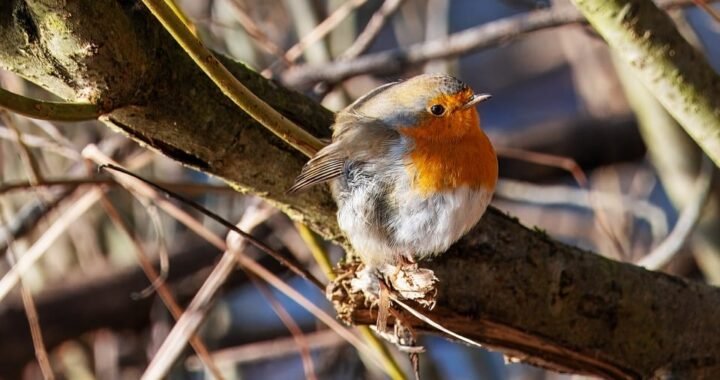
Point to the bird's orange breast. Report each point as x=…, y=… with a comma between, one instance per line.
x=452, y=152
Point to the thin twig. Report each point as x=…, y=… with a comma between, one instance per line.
x=254, y=31
x=578, y=174
x=189, y=188
x=372, y=29
x=56, y=229
x=163, y=257
x=320, y=255
x=253, y=216
x=32, y=317
x=189, y=322
x=165, y=295
x=271, y=349
x=314, y=244
x=689, y=217
x=473, y=39
x=52, y=131
x=319, y=32
x=434, y=324
x=32, y=168
x=297, y=334
x=44, y=110
x=302, y=272
x=708, y=9
x=77, y=209
x=278, y=124
x=520, y=191
x=40, y=142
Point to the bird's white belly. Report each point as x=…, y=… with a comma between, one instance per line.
x=417, y=227
x=428, y=226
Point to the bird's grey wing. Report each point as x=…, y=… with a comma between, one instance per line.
x=357, y=139
x=327, y=164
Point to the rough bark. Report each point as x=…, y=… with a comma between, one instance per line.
x=504, y=285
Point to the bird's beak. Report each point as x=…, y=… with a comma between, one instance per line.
x=477, y=98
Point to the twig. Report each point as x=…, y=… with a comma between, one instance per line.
x=51, y=130
x=434, y=324
x=520, y=191
x=480, y=37
x=372, y=29
x=40, y=247
x=303, y=273
x=708, y=9
x=275, y=348
x=320, y=31
x=297, y=137
x=174, y=343
x=689, y=217
x=182, y=16
x=44, y=110
x=254, y=31
x=314, y=244
x=297, y=334
x=163, y=257
x=36, y=333
x=40, y=142
x=32, y=317
x=11, y=278
x=32, y=168
x=162, y=289
x=578, y=174
x=189, y=188
x=320, y=255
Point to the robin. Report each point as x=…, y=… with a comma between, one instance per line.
x=409, y=167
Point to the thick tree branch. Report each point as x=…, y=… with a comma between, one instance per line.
x=677, y=74
x=504, y=285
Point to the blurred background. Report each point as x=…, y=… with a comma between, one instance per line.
x=586, y=155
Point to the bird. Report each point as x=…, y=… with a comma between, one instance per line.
x=410, y=168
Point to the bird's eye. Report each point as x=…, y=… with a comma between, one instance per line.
x=437, y=110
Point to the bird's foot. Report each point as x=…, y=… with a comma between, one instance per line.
x=359, y=286
x=411, y=282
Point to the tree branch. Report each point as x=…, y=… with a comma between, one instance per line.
x=677, y=74
x=467, y=41
x=509, y=287
x=38, y=109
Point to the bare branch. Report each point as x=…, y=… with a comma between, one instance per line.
x=677, y=74
x=467, y=41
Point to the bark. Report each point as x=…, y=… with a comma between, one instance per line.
x=512, y=288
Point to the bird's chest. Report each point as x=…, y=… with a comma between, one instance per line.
x=443, y=167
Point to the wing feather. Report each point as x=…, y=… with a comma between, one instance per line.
x=355, y=138
x=326, y=165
